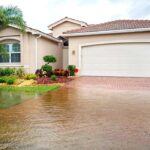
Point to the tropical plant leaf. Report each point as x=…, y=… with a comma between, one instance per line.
x=11, y=15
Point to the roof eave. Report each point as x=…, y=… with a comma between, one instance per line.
x=51, y=26
x=35, y=32
x=107, y=32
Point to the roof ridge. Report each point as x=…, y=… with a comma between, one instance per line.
x=114, y=25
x=53, y=24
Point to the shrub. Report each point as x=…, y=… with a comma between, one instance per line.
x=2, y=80
x=39, y=72
x=61, y=72
x=54, y=77
x=7, y=71
x=10, y=80
x=2, y=73
x=30, y=76
x=20, y=72
x=12, y=71
x=71, y=69
x=47, y=68
x=49, y=59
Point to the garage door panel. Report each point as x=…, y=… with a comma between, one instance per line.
x=119, y=60
x=116, y=60
x=116, y=67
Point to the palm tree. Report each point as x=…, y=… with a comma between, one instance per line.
x=10, y=15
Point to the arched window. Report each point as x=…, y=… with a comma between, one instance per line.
x=11, y=53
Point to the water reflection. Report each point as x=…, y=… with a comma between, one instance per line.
x=11, y=98
x=76, y=118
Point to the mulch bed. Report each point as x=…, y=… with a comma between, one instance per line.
x=47, y=80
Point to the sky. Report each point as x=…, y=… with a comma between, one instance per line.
x=40, y=13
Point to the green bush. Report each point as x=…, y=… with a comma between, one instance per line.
x=2, y=73
x=54, y=77
x=2, y=80
x=71, y=69
x=47, y=68
x=30, y=76
x=49, y=59
x=10, y=80
x=20, y=72
x=7, y=71
x=12, y=71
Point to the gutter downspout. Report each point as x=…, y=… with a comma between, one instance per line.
x=36, y=51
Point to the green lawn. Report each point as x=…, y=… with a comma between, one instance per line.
x=11, y=95
x=37, y=89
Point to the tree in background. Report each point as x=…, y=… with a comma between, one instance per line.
x=11, y=15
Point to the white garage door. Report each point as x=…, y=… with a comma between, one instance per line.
x=129, y=60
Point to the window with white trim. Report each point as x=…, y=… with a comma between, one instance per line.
x=13, y=53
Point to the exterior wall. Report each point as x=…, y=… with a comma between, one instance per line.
x=28, y=49
x=47, y=47
x=58, y=30
x=75, y=43
x=28, y=52
x=65, y=57
x=10, y=35
x=9, y=32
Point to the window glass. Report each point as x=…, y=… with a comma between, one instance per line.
x=4, y=59
x=4, y=53
x=6, y=46
x=15, y=57
x=16, y=47
x=12, y=54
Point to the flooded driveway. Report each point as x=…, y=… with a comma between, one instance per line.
x=83, y=115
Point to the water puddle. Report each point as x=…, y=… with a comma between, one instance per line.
x=11, y=98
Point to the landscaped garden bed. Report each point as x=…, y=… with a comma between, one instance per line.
x=16, y=86
x=47, y=80
x=45, y=75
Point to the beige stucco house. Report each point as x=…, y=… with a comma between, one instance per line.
x=66, y=24
x=27, y=49
x=58, y=28
x=116, y=48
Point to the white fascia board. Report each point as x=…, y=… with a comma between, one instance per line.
x=69, y=20
x=107, y=32
x=34, y=32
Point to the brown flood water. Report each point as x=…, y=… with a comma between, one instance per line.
x=78, y=118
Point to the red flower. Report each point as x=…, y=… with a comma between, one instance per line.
x=76, y=70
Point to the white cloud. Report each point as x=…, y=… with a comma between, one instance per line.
x=39, y=14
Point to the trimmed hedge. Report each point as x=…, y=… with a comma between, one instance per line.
x=12, y=71
x=8, y=79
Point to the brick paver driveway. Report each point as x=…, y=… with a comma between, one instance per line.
x=120, y=110
x=89, y=113
x=118, y=83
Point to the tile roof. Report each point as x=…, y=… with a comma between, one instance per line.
x=113, y=25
